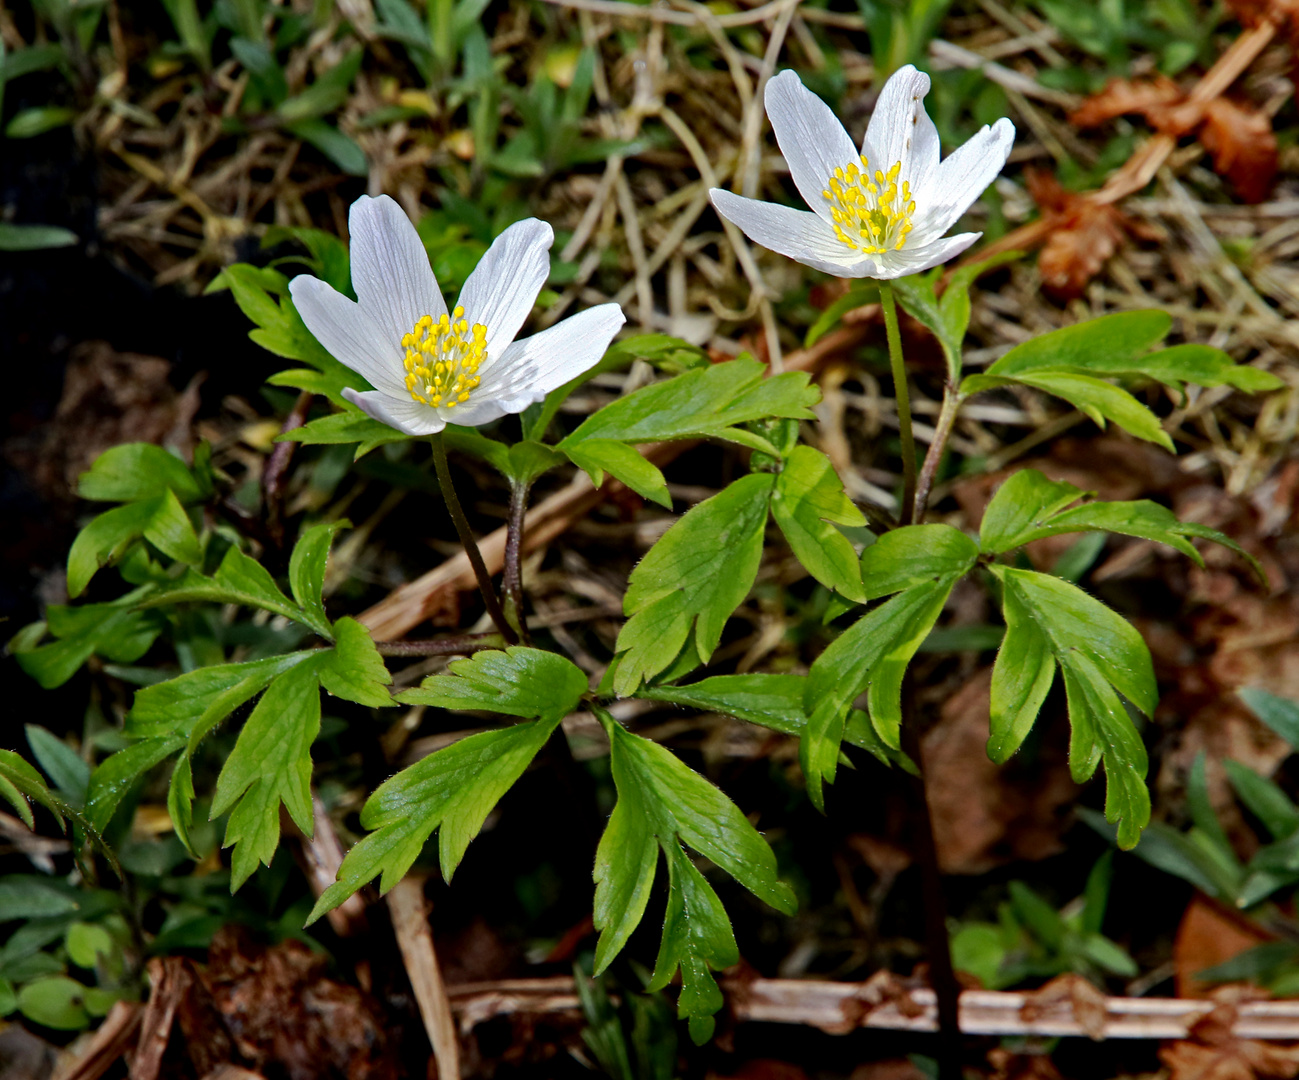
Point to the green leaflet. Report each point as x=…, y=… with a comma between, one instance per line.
x=1028, y=507
x=307, y=568
x=238, y=580
x=871, y=655
x=518, y=681
x=598, y=456
x=1278, y=713
x=662, y=804
x=773, y=701
x=453, y=789
x=19, y=782
x=159, y=519
x=704, y=402
x=1067, y=363
x=270, y=765
x=115, y=631
x=913, y=555
x=807, y=502
x=1099, y=653
x=349, y=426
x=135, y=471
x=354, y=670
x=699, y=572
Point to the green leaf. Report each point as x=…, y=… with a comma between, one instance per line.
x=699, y=403
x=15, y=237
x=86, y=943
x=354, y=670
x=19, y=782
x=1028, y=507
x=529, y=460
x=1099, y=653
x=25, y=896
x=114, y=631
x=697, y=574
x=663, y=804
x=913, y=555
x=341, y=149
x=263, y=296
x=352, y=426
x=327, y=93
x=623, y=462
x=38, y=120
x=807, y=502
x=518, y=681
x=135, y=471
x=115, y=775
x=238, y=580
x=1280, y=714
x=696, y=936
x=270, y=765
x=199, y=699
x=1021, y=678
x=307, y=570
x=161, y=520
x=773, y=701
x=1264, y=799
x=1096, y=344
x=1101, y=401
x=64, y=766
x=453, y=789
x=859, y=293
x=871, y=655
x=1202, y=365
x=56, y=1002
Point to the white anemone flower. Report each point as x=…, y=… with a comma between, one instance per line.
x=878, y=214
x=429, y=366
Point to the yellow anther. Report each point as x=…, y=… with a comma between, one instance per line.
x=443, y=357
x=870, y=213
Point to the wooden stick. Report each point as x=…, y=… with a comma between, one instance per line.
x=415, y=939
x=842, y=1007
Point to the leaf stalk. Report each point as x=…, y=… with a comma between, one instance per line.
x=467, y=539
x=907, y=513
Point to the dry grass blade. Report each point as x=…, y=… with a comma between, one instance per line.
x=415, y=939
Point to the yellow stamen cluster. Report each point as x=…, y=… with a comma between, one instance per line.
x=442, y=358
x=871, y=214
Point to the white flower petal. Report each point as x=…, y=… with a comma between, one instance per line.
x=804, y=237
x=900, y=130
x=961, y=179
x=390, y=270
x=913, y=260
x=409, y=416
x=478, y=411
x=531, y=368
x=504, y=285
x=348, y=333
x=812, y=139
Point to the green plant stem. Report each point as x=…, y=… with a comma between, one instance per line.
x=907, y=512
x=934, y=456
x=512, y=579
x=467, y=539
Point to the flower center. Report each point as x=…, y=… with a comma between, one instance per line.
x=442, y=358
x=871, y=214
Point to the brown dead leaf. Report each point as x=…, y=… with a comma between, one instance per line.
x=896, y=1069
x=1082, y=234
x=1212, y=1051
x=1123, y=96
x=1239, y=138
x=1209, y=934
x=984, y=814
x=1087, y=1002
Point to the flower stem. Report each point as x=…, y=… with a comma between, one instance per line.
x=467, y=539
x=445, y=646
x=934, y=456
x=907, y=512
x=512, y=580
